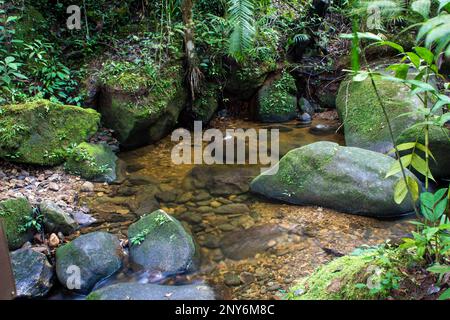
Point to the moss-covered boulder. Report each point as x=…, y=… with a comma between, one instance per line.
x=244, y=80
x=33, y=273
x=15, y=213
x=56, y=219
x=206, y=104
x=159, y=242
x=364, y=122
x=140, y=107
x=149, y=292
x=39, y=132
x=87, y=260
x=365, y=275
x=94, y=162
x=346, y=179
x=439, y=139
x=277, y=101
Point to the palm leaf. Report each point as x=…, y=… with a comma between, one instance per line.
x=241, y=16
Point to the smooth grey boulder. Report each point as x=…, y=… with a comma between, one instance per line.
x=56, y=219
x=346, y=179
x=32, y=272
x=139, y=291
x=87, y=260
x=159, y=242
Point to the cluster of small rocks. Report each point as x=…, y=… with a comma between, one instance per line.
x=40, y=184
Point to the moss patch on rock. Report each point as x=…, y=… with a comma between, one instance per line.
x=277, y=101
x=141, y=106
x=39, y=132
x=16, y=213
x=206, y=104
x=364, y=275
x=92, y=162
x=364, y=122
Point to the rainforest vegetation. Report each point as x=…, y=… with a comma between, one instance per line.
x=93, y=206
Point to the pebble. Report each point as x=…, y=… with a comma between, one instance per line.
x=53, y=241
x=231, y=279
x=87, y=187
x=53, y=186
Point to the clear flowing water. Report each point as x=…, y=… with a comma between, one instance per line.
x=257, y=248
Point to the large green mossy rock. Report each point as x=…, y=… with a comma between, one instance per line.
x=364, y=123
x=159, y=242
x=206, y=104
x=87, y=260
x=15, y=213
x=244, y=80
x=94, y=162
x=139, y=109
x=39, y=132
x=277, y=101
x=140, y=291
x=439, y=139
x=346, y=179
x=352, y=277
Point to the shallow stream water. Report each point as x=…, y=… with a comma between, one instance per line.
x=258, y=248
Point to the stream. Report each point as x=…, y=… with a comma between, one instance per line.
x=253, y=249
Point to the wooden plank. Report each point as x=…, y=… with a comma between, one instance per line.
x=7, y=283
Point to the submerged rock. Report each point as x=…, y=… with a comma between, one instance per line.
x=159, y=242
x=346, y=179
x=221, y=180
x=138, y=291
x=32, y=272
x=364, y=122
x=94, y=162
x=38, y=132
x=277, y=101
x=56, y=219
x=15, y=214
x=87, y=260
x=245, y=244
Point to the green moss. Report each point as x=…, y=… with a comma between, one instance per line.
x=94, y=296
x=134, y=110
x=279, y=98
x=92, y=162
x=364, y=122
x=364, y=275
x=39, y=132
x=14, y=213
x=206, y=104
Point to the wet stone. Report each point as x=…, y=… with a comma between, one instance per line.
x=232, y=279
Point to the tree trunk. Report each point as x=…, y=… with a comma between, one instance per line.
x=193, y=74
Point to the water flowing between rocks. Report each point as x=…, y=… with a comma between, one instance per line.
x=251, y=248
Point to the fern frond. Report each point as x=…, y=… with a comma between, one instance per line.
x=241, y=16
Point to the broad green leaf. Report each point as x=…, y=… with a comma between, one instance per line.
x=444, y=119
x=396, y=167
x=401, y=190
x=445, y=295
x=421, y=166
x=392, y=45
x=439, y=268
x=401, y=70
x=361, y=76
x=443, y=4
x=9, y=59
x=425, y=54
x=422, y=7
x=414, y=58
